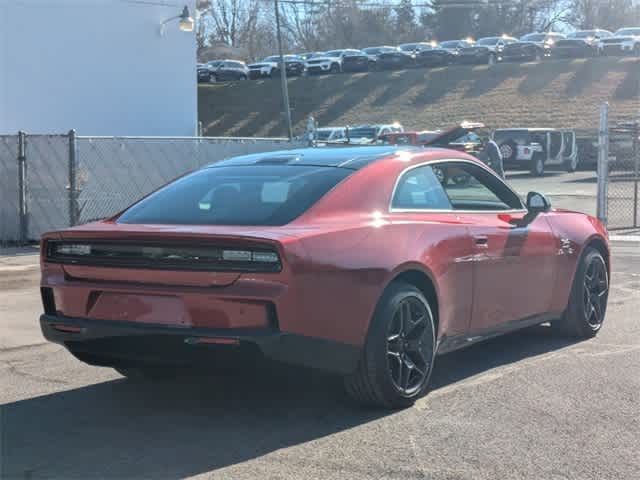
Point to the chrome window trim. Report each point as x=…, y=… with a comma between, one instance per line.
x=391, y=209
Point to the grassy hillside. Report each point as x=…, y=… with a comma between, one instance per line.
x=554, y=93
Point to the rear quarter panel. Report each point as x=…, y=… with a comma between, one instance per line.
x=347, y=270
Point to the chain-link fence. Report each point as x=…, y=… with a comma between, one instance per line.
x=54, y=181
x=619, y=173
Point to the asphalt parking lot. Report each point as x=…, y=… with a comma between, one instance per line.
x=527, y=405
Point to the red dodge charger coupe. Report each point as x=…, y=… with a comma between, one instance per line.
x=365, y=261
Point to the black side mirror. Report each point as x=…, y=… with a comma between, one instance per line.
x=537, y=202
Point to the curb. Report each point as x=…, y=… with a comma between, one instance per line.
x=624, y=238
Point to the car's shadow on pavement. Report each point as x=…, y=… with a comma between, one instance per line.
x=123, y=429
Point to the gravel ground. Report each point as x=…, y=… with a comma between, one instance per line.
x=527, y=405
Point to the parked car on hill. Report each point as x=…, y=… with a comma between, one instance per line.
x=533, y=46
x=538, y=149
x=270, y=67
x=625, y=41
x=416, y=47
x=583, y=43
x=444, y=53
x=374, y=52
x=357, y=261
x=204, y=73
x=223, y=71
x=486, y=50
x=325, y=62
x=356, y=61
x=368, y=134
x=395, y=59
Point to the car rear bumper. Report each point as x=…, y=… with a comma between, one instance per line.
x=518, y=56
x=118, y=343
x=616, y=49
x=473, y=59
x=255, y=74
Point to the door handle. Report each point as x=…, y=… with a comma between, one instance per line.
x=481, y=241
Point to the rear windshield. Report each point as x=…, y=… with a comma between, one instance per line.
x=237, y=195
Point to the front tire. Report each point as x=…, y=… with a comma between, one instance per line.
x=572, y=165
x=399, y=351
x=335, y=68
x=537, y=166
x=587, y=306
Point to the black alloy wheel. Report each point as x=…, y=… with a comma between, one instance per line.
x=595, y=291
x=587, y=304
x=399, y=351
x=408, y=357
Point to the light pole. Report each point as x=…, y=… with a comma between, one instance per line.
x=283, y=74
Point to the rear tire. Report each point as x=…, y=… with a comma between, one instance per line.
x=587, y=305
x=399, y=351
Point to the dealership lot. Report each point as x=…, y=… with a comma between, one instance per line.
x=526, y=404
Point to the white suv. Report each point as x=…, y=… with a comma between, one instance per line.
x=625, y=41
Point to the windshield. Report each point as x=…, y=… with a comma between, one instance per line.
x=488, y=41
x=377, y=50
x=323, y=134
x=584, y=34
x=363, y=132
x=410, y=47
x=241, y=195
x=334, y=53
x=534, y=37
x=628, y=32
x=450, y=44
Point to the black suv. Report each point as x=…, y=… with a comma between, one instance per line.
x=222, y=71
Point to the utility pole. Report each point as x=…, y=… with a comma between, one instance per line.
x=283, y=74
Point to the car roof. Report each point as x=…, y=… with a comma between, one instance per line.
x=345, y=157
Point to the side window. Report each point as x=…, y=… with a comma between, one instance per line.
x=470, y=187
x=420, y=189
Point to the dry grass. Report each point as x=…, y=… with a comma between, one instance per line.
x=565, y=93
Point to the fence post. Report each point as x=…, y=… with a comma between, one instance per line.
x=636, y=172
x=73, y=194
x=603, y=163
x=22, y=188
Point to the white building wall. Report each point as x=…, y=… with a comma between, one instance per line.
x=99, y=66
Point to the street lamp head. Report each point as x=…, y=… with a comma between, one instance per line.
x=186, y=21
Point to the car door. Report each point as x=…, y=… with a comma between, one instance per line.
x=514, y=255
x=420, y=201
x=225, y=71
